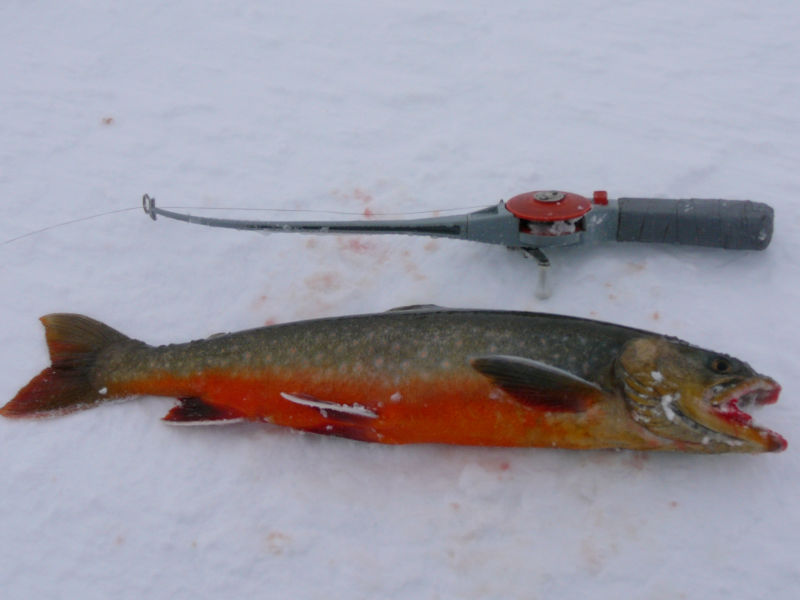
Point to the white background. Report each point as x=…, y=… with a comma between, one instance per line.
x=374, y=107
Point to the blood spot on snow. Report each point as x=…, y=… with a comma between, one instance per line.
x=270, y=321
x=492, y=465
x=638, y=460
x=107, y=121
x=673, y=504
x=259, y=302
x=323, y=282
x=431, y=246
x=635, y=267
x=360, y=194
x=411, y=268
x=356, y=245
x=656, y=316
x=277, y=542
x=368, y=213
x=592, y=556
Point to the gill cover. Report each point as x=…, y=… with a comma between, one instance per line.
x=692, y=396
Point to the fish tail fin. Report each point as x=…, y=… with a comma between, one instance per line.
x=74, y=342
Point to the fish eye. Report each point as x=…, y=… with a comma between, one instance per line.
x=721, y=364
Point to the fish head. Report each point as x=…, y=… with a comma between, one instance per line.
x=695, y=398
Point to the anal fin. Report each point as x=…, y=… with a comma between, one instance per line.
x=538, y=384
x=194, y=411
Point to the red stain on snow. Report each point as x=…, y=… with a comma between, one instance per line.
x=635, y=267
x=496, y=466
x=357, y=245
x=360, y=194
x=411, y=269
x=259, y=302
x=323, y=282
x=638, y=460
x=277, y=542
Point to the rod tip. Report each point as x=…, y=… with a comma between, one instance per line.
x=149, y=206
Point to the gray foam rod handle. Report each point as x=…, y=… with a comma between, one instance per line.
x=731, y=224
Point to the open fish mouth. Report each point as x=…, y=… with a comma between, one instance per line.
x=728, y=416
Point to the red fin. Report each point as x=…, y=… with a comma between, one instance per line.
x=75, y=338
x=351, y=432
x=193, y=411
x=53, y=391
x=74, y=342
x=352, y=421
x=538, y=384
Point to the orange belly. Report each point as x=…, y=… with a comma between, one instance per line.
x=468, y=410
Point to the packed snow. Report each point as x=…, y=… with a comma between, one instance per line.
x=369, y=108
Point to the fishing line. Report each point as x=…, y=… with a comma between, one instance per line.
x=278, y=210
x=70, y=222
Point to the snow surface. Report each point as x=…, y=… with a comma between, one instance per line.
x=373, y=107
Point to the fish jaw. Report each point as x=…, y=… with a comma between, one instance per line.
x=725, y=414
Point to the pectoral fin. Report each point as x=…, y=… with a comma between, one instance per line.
x=352, y=421
x=339, y=410
x=538, y=384
x=194, y=411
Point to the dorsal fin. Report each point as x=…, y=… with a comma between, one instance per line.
x=538, y=384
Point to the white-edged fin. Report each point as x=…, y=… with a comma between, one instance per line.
x=324, y=405
x=204, y=423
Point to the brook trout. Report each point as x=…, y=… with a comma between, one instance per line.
x=424, y=374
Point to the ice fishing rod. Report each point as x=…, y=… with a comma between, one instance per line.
x=538, y=220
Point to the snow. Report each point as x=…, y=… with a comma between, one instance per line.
x=666, y=405
x=376, y=107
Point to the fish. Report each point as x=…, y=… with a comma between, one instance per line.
x=424, y=374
